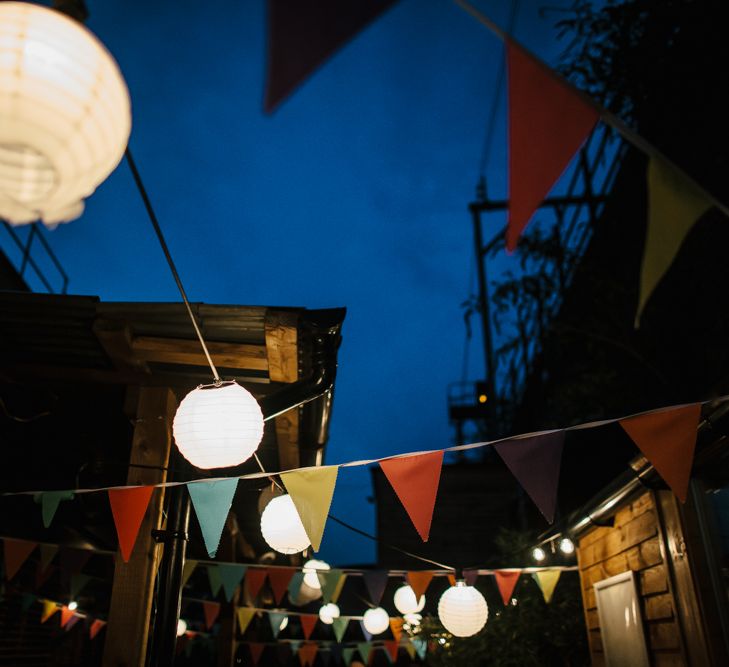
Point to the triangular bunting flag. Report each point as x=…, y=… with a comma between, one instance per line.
x=216, y=583
x=26, y=600
x=415, y=481
x=96, y=627
x=255, y=577
x=391, y=648
x=211, y=611
x=396, y=627
x=311, y=490
x=49, y=608
x=304, y=34
x=470, y=576
x=347, y=655
x=16, y=553
x=364, y=649
x=410, y=649
x=308, y=623
x=279, y=578
x=212, y=501
x=421, y=646
x=295, y=585
x=276, y=619
x=674, y=207
x=283, y=653
x=49, y=501
x=331, y=582
x=187, y=571
x=548, y=122
x=506, y=581
x=419, y=581
x=256, y=650
x=547, y=581
x=78, y=581
x=245, y=614
x=295, y=645
x=452, y=579
x=129, y=507
x=535, y=462
x=66, y=615
x=72, y=621
x=365, y=632
x=376, y=582
x=47, y=554
x=307, y=654
x=667, y=439
x=231, y=575
x=339, y=626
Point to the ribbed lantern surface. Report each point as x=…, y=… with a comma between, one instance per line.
x=218, y=427
x=281, y=526
x=462, y=610
x=65, y=114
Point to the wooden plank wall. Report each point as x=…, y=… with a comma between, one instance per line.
x=632, y=543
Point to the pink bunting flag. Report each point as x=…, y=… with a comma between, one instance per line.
x=548, y=122
x=415, y=480
x=95, y=627
x=255, y=577
x=128, y=507
x=16, y=553
x=506, y=581
x=211, y=611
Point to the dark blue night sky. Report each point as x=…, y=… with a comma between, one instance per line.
x=353, y=194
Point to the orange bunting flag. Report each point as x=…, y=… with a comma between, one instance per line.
x=548, y=122
x=211, y=611
x=308, y=623
x=254, y=580
x=256, y=650
x=307, y=654
x=245, y=615
x=419, y=581
x=128, y=506
x=66, y=615
x=506, y=581
x=396, y=627
x=96, y=627
x=415, y=481
x=16, y=553
x=667, y=439
x=49, y=608
x=391, y=648
x=279, y=579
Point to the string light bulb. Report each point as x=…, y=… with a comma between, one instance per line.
x=538, y=554
x=310, y=568
x=73, y=605
x=181, y=627
x=405, y=601
x=218, y=426
x=376, y=621
x=281, y=526
x=462, y=610
x=328, y=613
x=65, y=114
x=567, y=546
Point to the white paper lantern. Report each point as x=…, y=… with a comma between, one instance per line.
x=328, y=613
x=281, y=526
x=412, y=620
x=376, y=621
x=311, y=578
x=462, y=610
x=65, y=114
x=218, y=427
x=405, y=601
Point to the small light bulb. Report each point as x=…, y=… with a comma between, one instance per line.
x=181, y=627
x=538, y=554
x=566, y=546
x=284, y=623
x=73, y=605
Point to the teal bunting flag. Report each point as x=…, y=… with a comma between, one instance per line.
x=212, y=501
x=216, y=581
x=275, y=619
x=230, y=574
x=49, y=501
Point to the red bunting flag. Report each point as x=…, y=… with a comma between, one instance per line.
x=308, y=622
x=470, y=576
x=307, y=654
x=392, y=648
x=506, y=581
x=96, y=627
x=302, y=34
x=211, y=611
x=419, y=581
x=129, y=507
x=66, y=615
x=548, y=122
x=668, y=439
x=279, y=578
x=256, y=650
x=16, y=553
x=254, y=579
x=415, y=481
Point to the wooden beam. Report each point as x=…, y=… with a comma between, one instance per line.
x=283, y=366
x=133, y=587
x=188, y=352
x=116, y=339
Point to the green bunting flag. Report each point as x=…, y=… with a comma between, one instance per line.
x=340, y=627
x=49, y=501
x=332, y=582
x=364, y=649
x=212, y=501
x=216, y=583
x=347, y=655
x=231, y=575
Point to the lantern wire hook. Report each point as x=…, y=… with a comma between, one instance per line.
x=160, y=237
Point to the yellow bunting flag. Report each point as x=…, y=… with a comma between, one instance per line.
x=187, y=570
x=547, y=581
x=49, y=608
x=674, y=206
x=312, y=489
x=245, y=615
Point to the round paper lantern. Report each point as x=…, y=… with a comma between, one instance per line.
x=328, y=613
x=181, y=627
x=462, y=610
x=405, y=601
x=65, y=114
x=310, y=576
x=281, y=526
x=218, y=427
x=376, y=620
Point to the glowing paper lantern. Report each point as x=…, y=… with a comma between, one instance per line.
x=405, y=601
x=310, y=576
x=328, y=613
x=376, y=620
x=281, y=526
x=218, y=427
x=181, y=627
x=65, y=114
x=462, y=610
